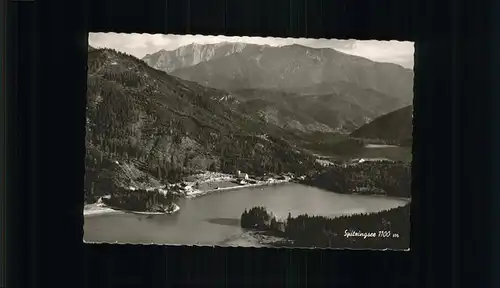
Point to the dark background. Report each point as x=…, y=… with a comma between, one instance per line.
x=453, y=150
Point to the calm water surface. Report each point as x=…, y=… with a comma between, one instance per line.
x=214, y=219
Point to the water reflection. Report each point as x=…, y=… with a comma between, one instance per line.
x=225, y=221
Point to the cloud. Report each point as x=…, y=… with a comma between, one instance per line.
x=141, y=44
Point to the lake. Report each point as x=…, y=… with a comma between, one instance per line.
x=213, y=219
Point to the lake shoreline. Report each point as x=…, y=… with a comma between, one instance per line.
x=215, y=219
x=199, y=193
x=222, y=183
x=338, y=229
x=208, y=182
x=98, y=209
x=206, y=178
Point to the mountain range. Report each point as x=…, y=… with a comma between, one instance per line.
x=351, y=90
x=190, y=55
x=295, y=67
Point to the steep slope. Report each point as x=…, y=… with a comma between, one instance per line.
x=190, y=55
x=295, y=67
x=145, y=127
x=393, y=128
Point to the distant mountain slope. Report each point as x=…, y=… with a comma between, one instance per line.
x=190, y=55
x=145, y=127
x=394, y=128
x=345, y=91
x=333, y=112
x=293, y=68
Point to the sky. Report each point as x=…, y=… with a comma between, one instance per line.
x=139, y=45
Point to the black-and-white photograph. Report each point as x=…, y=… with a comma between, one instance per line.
x=248, y=141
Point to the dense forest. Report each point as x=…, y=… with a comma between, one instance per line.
x=140, y=200
x=382, y=178
x=394, y=128
x=386, y=229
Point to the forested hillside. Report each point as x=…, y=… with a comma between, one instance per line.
x=145, y=127
x=392, y=128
